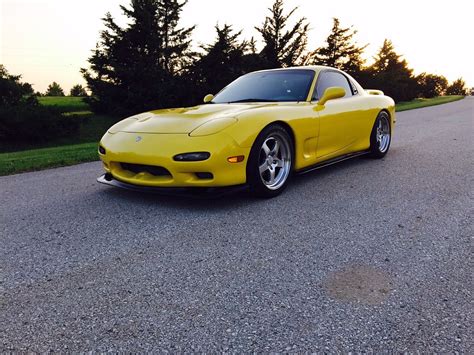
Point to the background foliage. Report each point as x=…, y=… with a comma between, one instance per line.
x=150, y=64
x=54, y=89
x=22, y=119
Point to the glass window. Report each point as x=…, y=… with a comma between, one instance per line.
x=268, y=86
x=331, y=79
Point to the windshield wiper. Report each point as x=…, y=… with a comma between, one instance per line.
x=251, y=100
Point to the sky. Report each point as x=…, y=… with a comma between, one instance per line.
x=50, y=40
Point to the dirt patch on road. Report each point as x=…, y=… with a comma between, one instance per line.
x=359, y=283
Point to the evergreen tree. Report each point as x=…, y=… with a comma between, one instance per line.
x=430, y=85
x=252, y=46
x=221, y=62
x=283, y=47
x=387, y=59
x=458, y=87
x=78, y=91
x=391, y=74
x=54, y=89
x=27, y=89
x=252, y=60
x=340, y=50
x=138, y=67
x=14, y=92
x=10, y=88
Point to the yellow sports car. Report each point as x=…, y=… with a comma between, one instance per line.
x=256, y=132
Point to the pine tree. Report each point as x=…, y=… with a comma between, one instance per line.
x=252, y=46
x=54, y=89
x=10, y=88
x=138, y=67
x=391, y=74
x=283, y=47
x=340, y=50
x=387, y=59
x=252, y=60
x=78, y=91
x=224, y=56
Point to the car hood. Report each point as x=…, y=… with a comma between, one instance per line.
x=182, y=120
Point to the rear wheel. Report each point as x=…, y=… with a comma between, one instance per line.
x=271, y=162
x=381, y=137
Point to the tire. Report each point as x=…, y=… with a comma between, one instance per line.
x=270, y=163
x=381, y=136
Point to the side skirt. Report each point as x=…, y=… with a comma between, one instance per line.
x=331, y=162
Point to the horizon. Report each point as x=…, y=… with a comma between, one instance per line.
x=53, y=47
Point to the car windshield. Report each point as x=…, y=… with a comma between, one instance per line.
x=268, y=86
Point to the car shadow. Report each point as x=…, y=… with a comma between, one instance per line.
x=180, y=201
x=323, y=173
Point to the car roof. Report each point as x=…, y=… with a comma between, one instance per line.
x=316, y=68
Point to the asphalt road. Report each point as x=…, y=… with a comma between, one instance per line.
x=363, y=256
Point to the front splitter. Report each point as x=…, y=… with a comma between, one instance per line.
x=192, y=192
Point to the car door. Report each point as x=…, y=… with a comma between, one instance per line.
x=338, y=125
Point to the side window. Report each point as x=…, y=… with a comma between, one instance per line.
x=330, y=79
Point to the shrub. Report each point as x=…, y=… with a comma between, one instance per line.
x=35, y=124
x=78, y=91
x=457, y=88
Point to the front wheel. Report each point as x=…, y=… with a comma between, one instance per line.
x=381, y=137
x=270, y=163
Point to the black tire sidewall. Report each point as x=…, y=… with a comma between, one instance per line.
x=257, y=187
x=374, y=146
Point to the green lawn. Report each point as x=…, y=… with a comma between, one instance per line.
x=38, y=159
x=419, y=103
x=83, y=148
x=63, y=151
x=65, y=103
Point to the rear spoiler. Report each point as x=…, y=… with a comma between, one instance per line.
x=374, y=92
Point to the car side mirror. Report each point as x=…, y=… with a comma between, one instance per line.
x=331, y=93
x=208, y=98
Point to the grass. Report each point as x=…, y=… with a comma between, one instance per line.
x=65, y=103
x=38, y=159
x=83, y=148
x=60, y=152
x=419, y=103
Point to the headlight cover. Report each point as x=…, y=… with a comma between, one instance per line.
x=214, y=126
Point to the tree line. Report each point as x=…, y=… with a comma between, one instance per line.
x=151, y=63
x=54, y=89
x=24, y=120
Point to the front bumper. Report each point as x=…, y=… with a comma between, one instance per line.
x=193, y=192
x=158, y=150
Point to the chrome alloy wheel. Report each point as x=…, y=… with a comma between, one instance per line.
x=275, y=161
x=383, y=134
